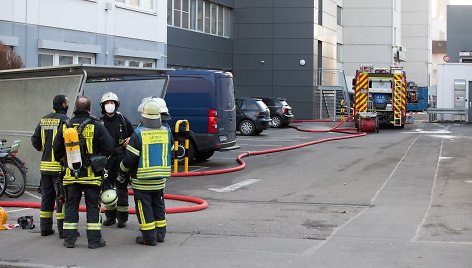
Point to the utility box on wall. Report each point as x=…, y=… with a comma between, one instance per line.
x=459, y=93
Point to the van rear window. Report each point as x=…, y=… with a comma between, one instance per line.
x=227, y=92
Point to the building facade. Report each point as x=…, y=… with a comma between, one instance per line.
x=273, y=47
x=459, y=33
x=122, y=32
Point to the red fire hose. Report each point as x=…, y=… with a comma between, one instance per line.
x=202, y=204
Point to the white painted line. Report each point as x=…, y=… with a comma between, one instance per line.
x=33, y=195
x=444, y=157
x=17, y=210
x=468, y=181
x=200, y=168
x=423, y=221
x=235, y=186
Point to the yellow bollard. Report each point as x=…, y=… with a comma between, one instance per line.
x=186, y=145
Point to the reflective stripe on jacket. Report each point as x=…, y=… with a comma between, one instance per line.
x=154, y=158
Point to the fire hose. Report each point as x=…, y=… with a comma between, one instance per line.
x=202, y=204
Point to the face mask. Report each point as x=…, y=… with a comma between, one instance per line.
x=110, y=108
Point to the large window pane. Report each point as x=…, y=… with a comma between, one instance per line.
x=64, y=60
x=169, y=12
x=220, y=20
x=85, y=60
x=119, y=62
x=185, y=14
x=45, y=60
x=193, y=14
x=133, y=63
x=207, y=17
x=177, y=10
x=148, y=64
x=227, y=21
x=200, y=15
x=213, y=18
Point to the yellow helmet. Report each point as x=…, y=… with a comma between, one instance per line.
x=151, y=109
x=3, y=218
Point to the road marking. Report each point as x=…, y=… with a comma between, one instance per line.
x=235, y=186
x=33, y=195
x=17, y=210
x=269, y=145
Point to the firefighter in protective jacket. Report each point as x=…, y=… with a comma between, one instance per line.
x=120, y=129
x=84, y=176
x=148, y=163
x=50, y=167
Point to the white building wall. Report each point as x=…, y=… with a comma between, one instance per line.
x=447, y=73
x=100, y=16
x=371, y=28
x=416, y=38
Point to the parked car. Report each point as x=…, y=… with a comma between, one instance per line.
x=252, y=116
x=280, y=111
x=206, y=99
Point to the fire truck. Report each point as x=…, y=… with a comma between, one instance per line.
x=379, y=97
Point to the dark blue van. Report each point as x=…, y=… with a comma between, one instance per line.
x=206, y=99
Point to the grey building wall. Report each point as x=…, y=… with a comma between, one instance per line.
x=31, y=38
x=270, y=39
x=198, y=50
x=459, y=32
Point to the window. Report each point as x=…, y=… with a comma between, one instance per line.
x=139, y=4
x=45, y=60
x=193, y=14
x=199, y=15
x=207, y=17
x=177, y=12
x=339, y=52
x=134, y=62
x=320, y=12
x=213, y=18
x=55, y=58
x=185, y=14
x=340, y=15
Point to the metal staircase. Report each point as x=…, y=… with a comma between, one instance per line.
x=328, y=99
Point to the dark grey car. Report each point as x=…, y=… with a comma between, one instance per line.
x=252, y=116
x=280, y=112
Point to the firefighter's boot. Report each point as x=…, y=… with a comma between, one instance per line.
x=111, y=217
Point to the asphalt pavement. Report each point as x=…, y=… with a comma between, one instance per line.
x=399, y=198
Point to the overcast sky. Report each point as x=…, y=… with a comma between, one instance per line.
x=460, y=2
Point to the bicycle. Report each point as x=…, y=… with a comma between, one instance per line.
x=3, y=180
x=14, y=170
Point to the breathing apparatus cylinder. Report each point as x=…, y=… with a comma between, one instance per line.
x=71, y=141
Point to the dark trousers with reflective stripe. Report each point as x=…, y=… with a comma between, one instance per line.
x=150, y=210
x=48, y=200
x=121, y=211
x=71, y=219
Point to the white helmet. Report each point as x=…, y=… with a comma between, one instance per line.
x=109, y=198
x=151, y=109
x=162, y=105
x=110, y=96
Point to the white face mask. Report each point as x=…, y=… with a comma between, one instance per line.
x=110, y=108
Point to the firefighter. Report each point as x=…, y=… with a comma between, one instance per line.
x=165, y=116
x=120, y=129
x=50, y=167
x=84, y=173
x=148, y=163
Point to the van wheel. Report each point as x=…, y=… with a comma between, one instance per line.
x=181, y=151
x=202, y=156
x=247, y=128
x=276, y=121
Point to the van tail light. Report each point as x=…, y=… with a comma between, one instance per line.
x=212, y=122
x=283, y=110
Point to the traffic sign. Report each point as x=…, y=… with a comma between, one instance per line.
x=446, y=58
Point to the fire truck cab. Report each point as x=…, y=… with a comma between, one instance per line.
x=382, y=91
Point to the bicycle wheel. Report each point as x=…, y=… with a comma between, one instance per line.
x=16, y=178
x=3, y=180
